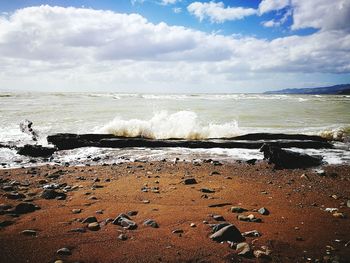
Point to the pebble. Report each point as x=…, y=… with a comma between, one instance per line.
x=218, y=218
x=263, y=211
x=207, y=190
x=64, y=251
x=193, y=225
x=146, y=201
x=304, y=176
x=76, y=211
x=28, y=232
x=132, y=213
x=237, y=209
x=151, y=223
x=339, y=215
x=78, y=230
x=94, y=226
x=348, y=203
x=244, y=249
x=253, y=233
x=249, y=218
x=214, y=173
x=90, y=219
x=227, y=233
x=188, y=181
x=123, y=237
x=99, y=212
x=59, y=261
x=24, y=208
x=124, y=221
x=177, y=231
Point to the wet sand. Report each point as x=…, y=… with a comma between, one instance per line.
x=298, y=229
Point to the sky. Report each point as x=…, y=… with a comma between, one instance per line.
x=177, y=46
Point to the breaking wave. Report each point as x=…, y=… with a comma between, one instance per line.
x=178, y=125
x=337, y=134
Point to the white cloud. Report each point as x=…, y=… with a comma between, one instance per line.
x=272, y=5
x=177, y=10
x=167, y=2
x=217, y=13
x=321, y=14
x=77, y=48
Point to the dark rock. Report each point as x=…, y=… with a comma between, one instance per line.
x=52, y=194
x=151, y=223
x=8, y=188
x=64, y=251
x=264, y=211
x=217, y=227
x=218, y=218
x=29, y=232
x=207, y=190
x=15, y=196
x=251, y=161
x=123, y=237
x=219, y=205
x=35, y=151
x=89, y=219
x=188, y=181
x=124, y=221
x=132, y=213
x=214, y=173
x=177, y=231
x=78, y=230
x=227, y=233
x=6, y=223
x=288, y=159
x=24, y=208
x=237, y=209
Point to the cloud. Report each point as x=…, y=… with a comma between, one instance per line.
x=266, y=6
x=177, y=10
x=167, y=2
x=321, y=14
x=85, y=48
x=217, y=13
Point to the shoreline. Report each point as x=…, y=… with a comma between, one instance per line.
x=297, y=228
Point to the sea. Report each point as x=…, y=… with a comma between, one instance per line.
x=162, y=116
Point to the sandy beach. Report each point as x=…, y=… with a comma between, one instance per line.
x=295, y=228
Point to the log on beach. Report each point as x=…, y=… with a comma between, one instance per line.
x=66, y=141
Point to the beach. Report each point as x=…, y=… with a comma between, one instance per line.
x=296, y=224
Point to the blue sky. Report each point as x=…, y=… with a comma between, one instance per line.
x=173, y=45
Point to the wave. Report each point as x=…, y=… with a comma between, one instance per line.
x=178, y=125
x=337, y=134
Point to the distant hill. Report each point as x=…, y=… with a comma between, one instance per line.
x=343, y=89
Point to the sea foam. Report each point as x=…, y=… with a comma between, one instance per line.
x=178, y=125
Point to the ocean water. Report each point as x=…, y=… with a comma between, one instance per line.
x=160, y=116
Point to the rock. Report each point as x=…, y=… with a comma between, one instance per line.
x=90, y=219
x=334, y=197
x=214, y=173
x=251, y=161
x=15, y=196
x=237, y=209
x=227, y=233
x=151, y=223
x=219, y=205
x=124, y=221
x=94, y=226
x=177, y=231
x=100, y=212
x=123, y=237
x=188, y=181
x=207, y=190
x=244, y=249
x=217, y=227
x=288, y=159
x=28, y=232
x=263, y=211
x=348, y=203
x=24, y=208
x=339, y=215
x=304, y=176
x=253, y=233
x=35, y=151
x=78, y=230
x=262, y=254
x=218, y=218
x=64, y=251
x=6, y=223
x=249, y=218
x=132, y=213
x=76, y=211
x=51, y=186
x=193, y=225
x=52, y=194
x=59, y=261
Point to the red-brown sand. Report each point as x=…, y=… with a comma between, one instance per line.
x=296, y=230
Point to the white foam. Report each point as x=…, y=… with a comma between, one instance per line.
x=179, y=125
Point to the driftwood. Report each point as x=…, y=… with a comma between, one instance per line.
x=65, y=141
